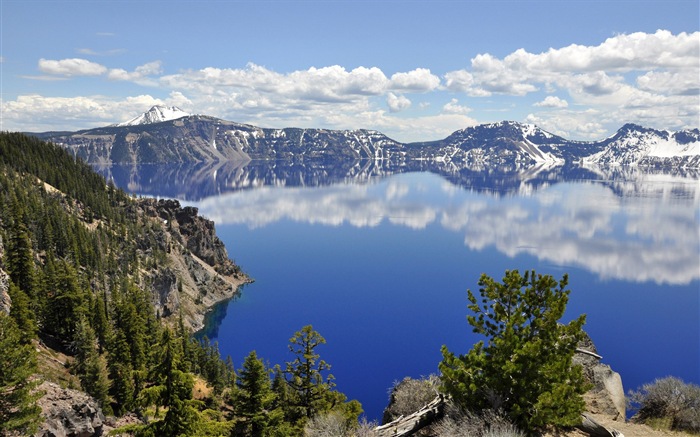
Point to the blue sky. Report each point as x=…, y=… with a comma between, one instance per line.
x=415, y=70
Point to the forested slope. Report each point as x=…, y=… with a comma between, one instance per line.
x=117, y=285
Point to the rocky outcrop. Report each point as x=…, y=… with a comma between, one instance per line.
x=5, y=301
x=197, y=272
x=607, y=396
x=69, y=413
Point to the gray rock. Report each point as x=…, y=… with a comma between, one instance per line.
x=607, y=396
x=5, y=301
x=69, y=413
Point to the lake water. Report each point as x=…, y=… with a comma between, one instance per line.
x=379, y=260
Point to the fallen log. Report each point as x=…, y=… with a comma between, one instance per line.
x=595, y=429
x=409, y=425
x=405, y=426
x=587, y=352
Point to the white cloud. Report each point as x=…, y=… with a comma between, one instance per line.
x=75, y=67
x=397, y=103
x=674, y=83
x=647, y=78
x=71, y=67
x=327, y=84
x=453, y=107
x=552, y=102
x=651, y=79
x=140, y=75
x=418, y=80
x=36, y=113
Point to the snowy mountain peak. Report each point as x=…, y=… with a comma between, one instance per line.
x=156, y=114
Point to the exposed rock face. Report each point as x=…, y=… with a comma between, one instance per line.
x=69, y=413
x=5, y=301
x=607, y=397
x=198, y=272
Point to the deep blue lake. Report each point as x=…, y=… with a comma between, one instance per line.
x=379, y=262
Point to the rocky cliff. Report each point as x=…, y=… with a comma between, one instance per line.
x=197, y=272
x=5, y=301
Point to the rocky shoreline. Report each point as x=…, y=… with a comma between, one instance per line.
x=198, y=273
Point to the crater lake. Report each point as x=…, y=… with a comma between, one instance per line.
x=378, y=259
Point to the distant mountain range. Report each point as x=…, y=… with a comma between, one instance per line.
x=168, y=134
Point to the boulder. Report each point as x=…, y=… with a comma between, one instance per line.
x=607, y=396
x=68, y=413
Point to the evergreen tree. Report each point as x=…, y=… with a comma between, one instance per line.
x=19, y=412
x=173, y=390
x=89, y=366
x=66, y=302
x=525, y=367
x=20, y=259
x=22, y=313
x=254, y=397
x=305, y=373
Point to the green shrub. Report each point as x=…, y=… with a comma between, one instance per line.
x=525, y=367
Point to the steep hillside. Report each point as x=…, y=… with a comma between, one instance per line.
x=67, y=212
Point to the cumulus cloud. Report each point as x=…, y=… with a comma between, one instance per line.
x=71, y=67
x=38, y=113
x=418, y=80
x=453, y=107
x=646, y=78
x=397, y=103
x=75, y=67
x=327, y=84
x=552, y=102
x=140, y=75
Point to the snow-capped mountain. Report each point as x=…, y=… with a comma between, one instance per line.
x=171, y=135
x=156, y=114
x=497, y=143
x=636, y=145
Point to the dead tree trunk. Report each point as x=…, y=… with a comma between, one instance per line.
x=595, y=429
x=409, y=425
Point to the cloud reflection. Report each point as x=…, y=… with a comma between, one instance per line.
x=634, y=231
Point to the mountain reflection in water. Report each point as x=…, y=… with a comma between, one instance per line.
x=418, y=236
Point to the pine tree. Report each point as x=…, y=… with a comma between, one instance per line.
x=20, y=260
x=66, y=302
x=19, y=412
x=22, y=314
x=172, y=389
x=305, y=373
x=89, y=366
x=254, y=397
x=525, y=367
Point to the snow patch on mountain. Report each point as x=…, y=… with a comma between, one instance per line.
x=156, y=114
x=634, y=145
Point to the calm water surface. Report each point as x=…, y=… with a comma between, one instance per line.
x=380, y=265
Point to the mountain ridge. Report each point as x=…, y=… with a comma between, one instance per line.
x=196, y=138
x=156, y=114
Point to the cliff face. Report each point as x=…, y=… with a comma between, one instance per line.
x=197, y=272
x=5, y=301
